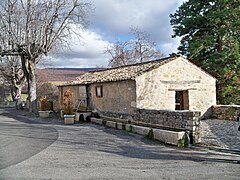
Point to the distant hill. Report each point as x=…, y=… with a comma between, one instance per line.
x=75, y=69
x=60, y=74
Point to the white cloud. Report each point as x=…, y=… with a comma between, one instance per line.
x=112, y=19
x=116, y=17
x=170, y=47
x=85, y=51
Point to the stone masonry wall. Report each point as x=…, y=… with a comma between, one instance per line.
x=118, y=97
x=175, y=120
x=225, y=112
x=156, y=89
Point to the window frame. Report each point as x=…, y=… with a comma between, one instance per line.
x=182, y=100
x=99, y=91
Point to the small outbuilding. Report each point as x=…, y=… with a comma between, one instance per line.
x=172, y=83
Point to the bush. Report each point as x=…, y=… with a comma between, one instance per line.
x=184, y=142
x=67, y=102
x=43, y=104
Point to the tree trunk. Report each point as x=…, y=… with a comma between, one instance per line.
x=32, y=92
x=12, y=93
x=28, y=67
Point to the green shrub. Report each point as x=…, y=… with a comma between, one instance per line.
x=182, y=143
x=150, y=134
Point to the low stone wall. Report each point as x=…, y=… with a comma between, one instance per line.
x=187, y=121
x=225, y=112
x=181, y=120
x=178, y=120
x=7, y=104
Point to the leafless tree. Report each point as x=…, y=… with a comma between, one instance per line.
x=12, y=75
x=32, y=28
x=120, y=54
x=139, y=49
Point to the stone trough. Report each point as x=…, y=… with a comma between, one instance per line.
x=165, y=136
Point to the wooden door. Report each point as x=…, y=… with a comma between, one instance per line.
x=181, y=100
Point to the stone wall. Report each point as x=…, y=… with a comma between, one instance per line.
x=117, y=97
x=225, y=112
x=173, y=120
x=156, y=89
x=7, y=104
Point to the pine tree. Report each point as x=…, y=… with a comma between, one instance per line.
x=210, y=36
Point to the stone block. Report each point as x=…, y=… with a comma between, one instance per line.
x=140, y=130
x=120, y=126
x=96, y=120
x=168, y=137
x=111, y=124
x=128, y=127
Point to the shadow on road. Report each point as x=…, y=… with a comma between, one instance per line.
x=101, y=139
x=89, y=137
x=20, y=141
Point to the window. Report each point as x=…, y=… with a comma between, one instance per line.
x=99, y=92
x=181, y=100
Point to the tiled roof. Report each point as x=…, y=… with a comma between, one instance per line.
x=127, y=72
x=59, y=75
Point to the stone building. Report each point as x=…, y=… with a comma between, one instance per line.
x=48, y=79
x=172, y=83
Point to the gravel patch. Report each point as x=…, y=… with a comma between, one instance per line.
x=220, y=133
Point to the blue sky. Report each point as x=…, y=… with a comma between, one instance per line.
x=111, y=20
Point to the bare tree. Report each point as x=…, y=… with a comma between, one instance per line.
x=120, y=54
x=32, y=28
x=139, y=49
x=145, y=48
x=12, y=75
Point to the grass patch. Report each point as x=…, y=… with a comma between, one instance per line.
x=183, y=143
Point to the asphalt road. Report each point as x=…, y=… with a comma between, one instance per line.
x=29, y=150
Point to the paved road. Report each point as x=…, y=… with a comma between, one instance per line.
x=19, y=141
x=86, y=151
